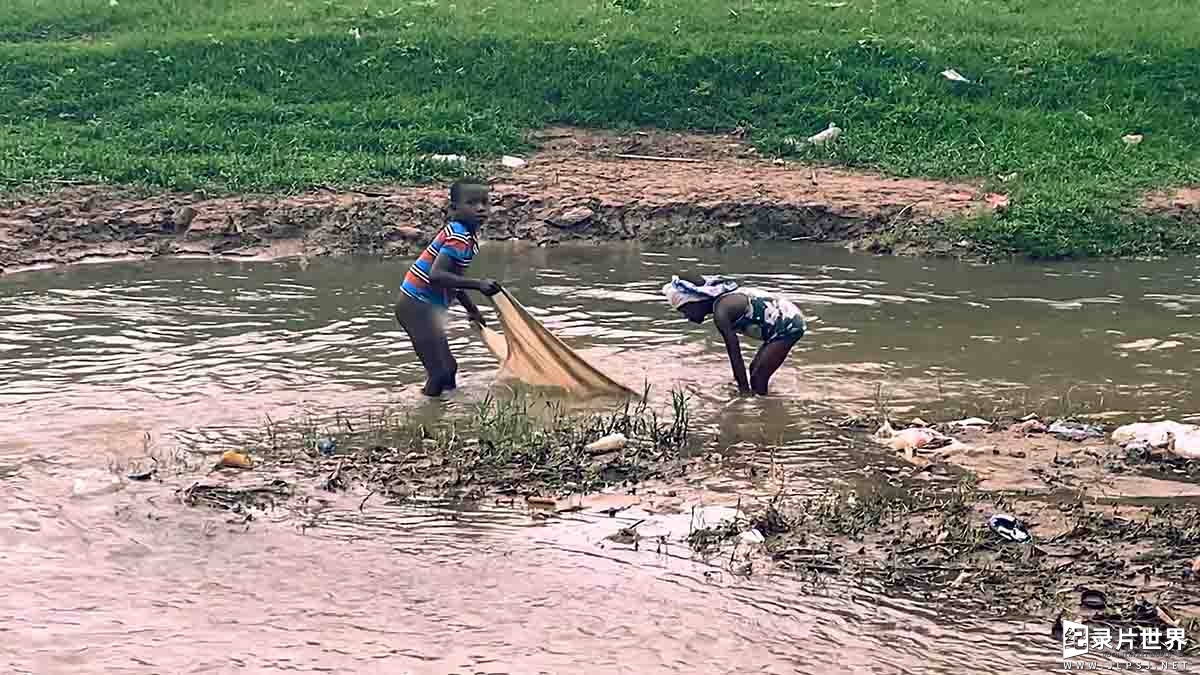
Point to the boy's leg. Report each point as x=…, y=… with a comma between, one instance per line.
x=766, y=362
x=449, y=364
x=420, y=322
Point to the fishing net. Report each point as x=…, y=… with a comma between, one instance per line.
x=530, y=353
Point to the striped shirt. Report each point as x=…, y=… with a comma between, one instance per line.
x=456, y=241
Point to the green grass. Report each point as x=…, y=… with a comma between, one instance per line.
x=274, y=95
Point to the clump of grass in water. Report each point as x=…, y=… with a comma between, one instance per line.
x=501, y=445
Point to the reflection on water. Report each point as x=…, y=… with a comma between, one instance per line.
x=118, y=578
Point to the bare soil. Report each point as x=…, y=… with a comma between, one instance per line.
x=1181, y=205
x=574, y=188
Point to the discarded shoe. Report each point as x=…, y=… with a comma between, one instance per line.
x=1009, y=527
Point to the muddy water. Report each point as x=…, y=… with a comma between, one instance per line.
x=99, y=362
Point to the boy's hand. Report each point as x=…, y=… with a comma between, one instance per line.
x=489, y=287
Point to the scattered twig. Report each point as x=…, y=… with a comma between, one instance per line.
x=56, y=181
x=365, y=193
x=334, y=482
x=918, y=549
x=364, y=502
x=655, y=158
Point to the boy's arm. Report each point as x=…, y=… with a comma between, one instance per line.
x=468, y=304
x=724, y=316
x=445, y=273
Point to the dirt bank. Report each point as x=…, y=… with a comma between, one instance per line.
x=574, y=188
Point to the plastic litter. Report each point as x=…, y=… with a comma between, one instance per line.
x=609, y=443
x=1186, y=446
x=752, y=536
x=1140, y=446
x=234, y=460
x=1093, y=599
x=98, y=485
x=1034, y=426
x=326, y=446
x=512, y=162
x=971, y=422
x=448, y=158
x=1075, y=431
x=917, y=438
x=954, y=76
x=1009, y=527
x=1132, y=139
x=1159, y=435
x=827, y=136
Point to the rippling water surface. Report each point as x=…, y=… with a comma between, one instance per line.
x=97, y=360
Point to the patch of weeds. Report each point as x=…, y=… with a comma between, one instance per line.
x=503, y=446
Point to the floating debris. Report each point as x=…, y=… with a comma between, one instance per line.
x=912, y=438
x=234, y=460
x=236, y=498
x=326, y=446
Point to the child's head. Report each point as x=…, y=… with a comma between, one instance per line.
x=470, y=201
x=696, y=310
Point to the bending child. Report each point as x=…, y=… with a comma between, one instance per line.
x=437, y=276
x=754, y=313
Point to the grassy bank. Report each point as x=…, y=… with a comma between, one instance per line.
x=278, y=95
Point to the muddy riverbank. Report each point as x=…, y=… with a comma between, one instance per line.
x=650, y=187
x=654, y=188
x=1100, y=532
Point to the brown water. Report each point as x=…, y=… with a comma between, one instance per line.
x=116, y=578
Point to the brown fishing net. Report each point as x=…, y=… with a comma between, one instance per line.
x=530, y=353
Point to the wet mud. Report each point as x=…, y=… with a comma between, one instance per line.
x=1001, y=517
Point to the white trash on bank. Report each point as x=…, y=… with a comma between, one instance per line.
x=512, y=162
x=609, y=443
x=954, y=76
x=449, y=159
x=912, y=438
x=1182, y=440
x=752, y=537
x=970, y=423
x=827, y=136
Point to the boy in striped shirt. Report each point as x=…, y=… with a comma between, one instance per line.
x=437, y=277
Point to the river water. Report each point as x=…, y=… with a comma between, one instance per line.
x=99, y=362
